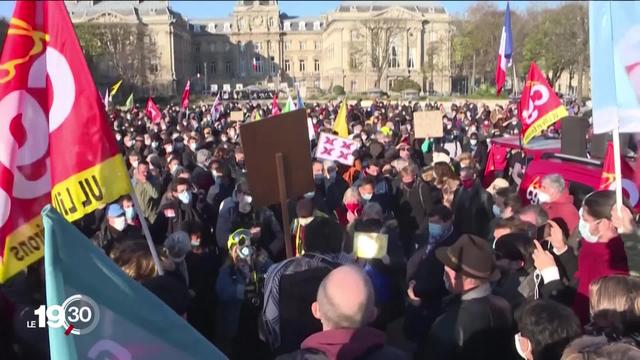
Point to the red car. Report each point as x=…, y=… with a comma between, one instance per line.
x=543, y=158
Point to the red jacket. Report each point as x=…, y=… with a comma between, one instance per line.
x=563, y=212
x=596, y=260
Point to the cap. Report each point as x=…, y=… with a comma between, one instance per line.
x=115, y=210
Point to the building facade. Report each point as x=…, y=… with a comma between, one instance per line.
x=260, y=45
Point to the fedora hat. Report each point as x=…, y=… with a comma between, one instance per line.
x=470, y=255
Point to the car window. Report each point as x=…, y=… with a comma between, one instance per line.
x=579, y=192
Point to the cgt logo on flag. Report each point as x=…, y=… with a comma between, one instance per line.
x=331, y=147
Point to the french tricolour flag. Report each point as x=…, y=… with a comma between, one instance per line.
x=504, y=54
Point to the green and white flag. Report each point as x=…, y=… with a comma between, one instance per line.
x=289, y=106
x=129, y=104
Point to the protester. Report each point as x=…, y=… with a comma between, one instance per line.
x=475, y=324
x=147, y=191
x=472, y=206
x=115, y=230
x=344, y=306
x=556, y=201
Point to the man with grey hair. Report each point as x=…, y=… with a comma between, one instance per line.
x=344, y=306
x=201, y=176
x=554, y=198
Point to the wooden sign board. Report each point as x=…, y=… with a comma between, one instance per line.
x=236, y=116
x=428, y=124
x=261, y=140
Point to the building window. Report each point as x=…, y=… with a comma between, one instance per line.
x=302, y=67
x=258, y=46
x=354, y=62
x=212, y=67
x=354, y=35
x=316, y=45
x=287, y=26
x=302, y=26
x=212, y=47
x=271, y=23
x=393, y=59
x=258, y=64
x=411, y=62
x=287, y=66
x=354, y=85
x=198, y=69
x=287, y=45
x=211, y=28
x=316, y=65
x=227, y=27
x=274, y=69
x=154, y=68
x=196, y=28
x=316, y=25
x=301, y=45
x=196, y=48
x=243, y=68
x=227, y=67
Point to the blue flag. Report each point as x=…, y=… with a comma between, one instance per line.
x=508, y=50
x=614, y=42
x=300, y=102
x=106, y=313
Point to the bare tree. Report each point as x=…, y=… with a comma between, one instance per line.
x=376, y=50
x=119, y=50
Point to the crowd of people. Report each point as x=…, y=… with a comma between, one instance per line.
x=470, y=272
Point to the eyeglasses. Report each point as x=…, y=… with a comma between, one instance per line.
x=404, y=149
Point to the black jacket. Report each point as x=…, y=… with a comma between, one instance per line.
x=472, y=209
x=478, y=328
x=412, y=207
x=202, y=178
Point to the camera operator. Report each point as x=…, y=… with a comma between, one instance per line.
x=239, y=290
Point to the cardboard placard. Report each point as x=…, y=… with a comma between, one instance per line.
x=428, y=124
x=236, y=116
x=261, y=140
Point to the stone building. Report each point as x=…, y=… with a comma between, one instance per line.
x=260, y=45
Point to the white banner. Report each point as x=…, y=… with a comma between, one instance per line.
x=331, y=147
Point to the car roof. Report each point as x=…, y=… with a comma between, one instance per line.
x=572, y=171
x=537, y=143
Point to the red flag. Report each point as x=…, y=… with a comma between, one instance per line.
x=275, y=110
x=496, y=161
x=185, y=96
x=539, y=105
x=608, y=178
x=56, y=145
x=152, y=111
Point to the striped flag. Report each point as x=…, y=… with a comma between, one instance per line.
x=504, y=53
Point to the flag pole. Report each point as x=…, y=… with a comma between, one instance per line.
x=147, y=234
x=618, y=168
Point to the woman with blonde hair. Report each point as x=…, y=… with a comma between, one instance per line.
x=614, y=303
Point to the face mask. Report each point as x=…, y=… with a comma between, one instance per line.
x=332, y=176
x=473, y=142
x=305, y=221
x=168, y=149
x=223, y=139
x=367, y=197
x=195, y=243
x=134, y=164
x=409, y=184
x=468, y=183
x=583, y=226
x=154, y=144
x=519, y=349
x=310, y=195
x=129, y=213
x=120, y=223
x=193, y=146
x=543, y=198
x=496, y=211
x=185, y=197
x=318, y=178
x=435, y=230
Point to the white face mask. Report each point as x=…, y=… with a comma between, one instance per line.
x=305, y=221
x=244, y=203
x=120, y=223
x=497, y=212
x=583, y=226
x=543, y=198
x=519, y=348
x=193, y=146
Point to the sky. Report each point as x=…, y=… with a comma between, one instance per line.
x=214, y=9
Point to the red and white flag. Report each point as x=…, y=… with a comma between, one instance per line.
x=152, y=111
x=608, y=178
x=255, y=65
x=185, y=95
x=56, y=146
x=539, y=105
